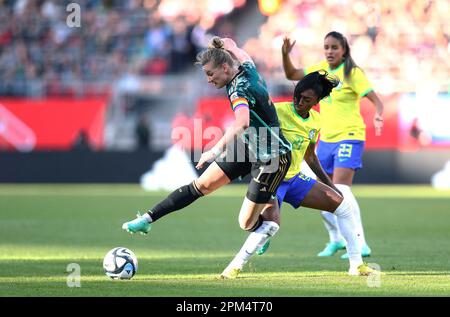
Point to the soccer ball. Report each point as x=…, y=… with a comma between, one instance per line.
x=120, y=263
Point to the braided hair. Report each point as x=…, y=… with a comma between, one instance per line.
x=319, y=81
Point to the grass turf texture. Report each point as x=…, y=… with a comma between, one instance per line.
x=43, y=228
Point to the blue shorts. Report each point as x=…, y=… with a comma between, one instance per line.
x=346, y=154
x=295, y=190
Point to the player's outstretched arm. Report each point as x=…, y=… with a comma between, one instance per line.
x=238, y=53
x=290, y=70
x=378, y=118
x=237, y=128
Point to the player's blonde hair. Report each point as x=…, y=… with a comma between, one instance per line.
x=215, y=53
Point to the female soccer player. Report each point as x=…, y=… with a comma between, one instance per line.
x=301, y=125
x=263, y=151
x=341, y=144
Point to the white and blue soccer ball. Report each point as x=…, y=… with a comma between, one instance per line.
x=120, y=263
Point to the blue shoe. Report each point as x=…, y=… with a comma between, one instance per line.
x=140, y=224
x=332, y=248
x=365, y=252
x=264, y=248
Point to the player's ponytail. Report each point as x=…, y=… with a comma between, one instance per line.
x=349, y=63
x=319, y=81
x=215, y=53
x=216, y=42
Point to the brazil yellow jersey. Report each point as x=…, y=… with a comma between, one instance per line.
x=340, y=113
x=298, y=131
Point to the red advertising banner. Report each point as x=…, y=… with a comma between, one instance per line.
x=51, y=124
x=215, y=113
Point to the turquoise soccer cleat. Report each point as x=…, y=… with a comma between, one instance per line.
x=264, y=248
x=331, y=248
x=365, y=252
x=140, y=224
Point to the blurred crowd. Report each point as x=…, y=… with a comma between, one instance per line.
x=403, y=45
x=41, y=55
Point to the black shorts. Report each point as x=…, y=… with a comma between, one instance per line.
x=266, y=176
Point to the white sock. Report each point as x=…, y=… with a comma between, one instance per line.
x=254, y=241
x=347, y=192
x=346, y=221
x=330, y=222
x=147, y=217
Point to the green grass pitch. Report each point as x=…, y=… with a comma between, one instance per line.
x=44, y=228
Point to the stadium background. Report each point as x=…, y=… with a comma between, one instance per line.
x=130, y=63
x=98, y=103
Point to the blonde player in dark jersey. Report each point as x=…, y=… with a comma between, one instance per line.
x=262, y=151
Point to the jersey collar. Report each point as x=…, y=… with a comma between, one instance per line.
x=299, y=116
x=240, y=70
x=336, y=69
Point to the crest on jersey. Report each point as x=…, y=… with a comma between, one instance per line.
x=234, y=96
x=312, y=134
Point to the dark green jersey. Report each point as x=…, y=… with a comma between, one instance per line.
x=263, y=137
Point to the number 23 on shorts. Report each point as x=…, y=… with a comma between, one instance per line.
x=345, y=150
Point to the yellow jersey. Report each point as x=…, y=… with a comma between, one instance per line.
x=340, y=112
x=298, y=131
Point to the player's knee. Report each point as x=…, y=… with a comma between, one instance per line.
x=249, y=224
x=333, y=199
x=205, y=187
x=337, y=200
x=245, y=224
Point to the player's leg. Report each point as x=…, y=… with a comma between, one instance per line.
x=322, y=197
x=347, y=192
x=325, y=153
x=347, y=161
x=292, y=191
x=283, y=188
x=266, y=178
x=256, y=240
x=260, y=199
x=210, y=180
x=336, y=241
x=272, y=214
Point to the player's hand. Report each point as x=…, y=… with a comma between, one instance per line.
x=378, y=124
x=207, y=156
x=228, y=43
x=287, y=46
